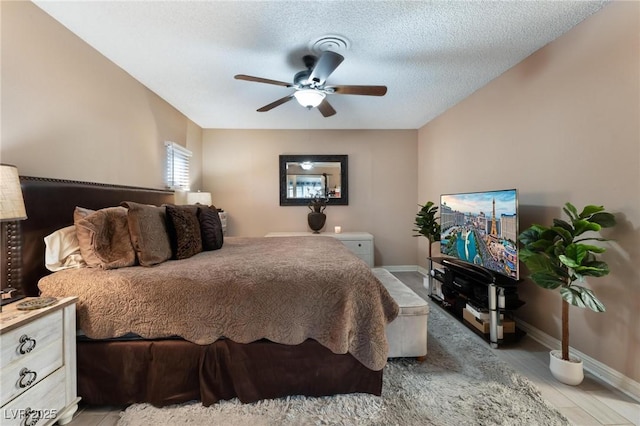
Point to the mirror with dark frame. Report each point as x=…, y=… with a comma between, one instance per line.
x=303, y=177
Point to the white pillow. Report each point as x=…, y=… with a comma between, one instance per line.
x=62, y=250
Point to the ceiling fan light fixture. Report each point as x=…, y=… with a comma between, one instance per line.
x=309, y=98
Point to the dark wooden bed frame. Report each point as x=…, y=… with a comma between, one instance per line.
x=170, y=371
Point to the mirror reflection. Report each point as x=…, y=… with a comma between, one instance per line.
x=309, y=180
x=303, y=177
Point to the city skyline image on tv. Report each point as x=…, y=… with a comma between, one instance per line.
x=481, y=228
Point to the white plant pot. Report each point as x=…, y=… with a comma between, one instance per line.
x=568, y=372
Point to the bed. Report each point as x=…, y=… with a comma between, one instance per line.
x=311, y=324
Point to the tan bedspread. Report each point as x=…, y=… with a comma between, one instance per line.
x=284, y=289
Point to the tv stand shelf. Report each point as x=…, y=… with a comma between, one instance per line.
x=463, y=289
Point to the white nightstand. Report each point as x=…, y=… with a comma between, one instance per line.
x=360, y=243
x=38, y=364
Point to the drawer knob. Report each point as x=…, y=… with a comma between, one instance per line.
x=27, y=377
x=31, y=417
x=27, y=344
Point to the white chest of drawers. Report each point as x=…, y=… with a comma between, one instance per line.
x=360, y=243
x=38, y=364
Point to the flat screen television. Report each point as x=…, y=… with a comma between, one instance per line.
x=481, y=228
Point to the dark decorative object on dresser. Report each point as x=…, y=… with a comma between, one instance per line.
x=316, y=218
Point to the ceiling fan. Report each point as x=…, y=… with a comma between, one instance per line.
x=310, y=87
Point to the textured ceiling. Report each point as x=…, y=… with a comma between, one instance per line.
x=430, y=54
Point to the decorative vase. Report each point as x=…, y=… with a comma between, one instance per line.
x=568, y=372
x=317, y=218
x=316, y=221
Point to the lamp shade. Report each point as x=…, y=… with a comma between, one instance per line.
x=199, y=197
x=309, y=98
x=11, y=201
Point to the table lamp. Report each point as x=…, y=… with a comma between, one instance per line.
x=11, y=210
x=199, y=197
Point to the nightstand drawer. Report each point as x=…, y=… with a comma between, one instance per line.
x=30, y=338
x=359, y=246
x=38, y=374
x=25, y=373
x=45, y=400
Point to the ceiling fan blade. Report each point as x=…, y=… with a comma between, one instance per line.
x=261, y=80
x=326, y=109
x=275, y=103
x=360, y=90
x=327, y=63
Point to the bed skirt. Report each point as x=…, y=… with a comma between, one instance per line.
x=164, y=372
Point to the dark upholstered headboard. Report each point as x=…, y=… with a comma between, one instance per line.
x=50, y=204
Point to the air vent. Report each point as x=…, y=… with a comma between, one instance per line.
x=333, y=43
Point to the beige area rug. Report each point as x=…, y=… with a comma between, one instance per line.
x=461, y=383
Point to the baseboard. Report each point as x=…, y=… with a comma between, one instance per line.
x=605, y=373
x=400, y=268
x=406, y=268
x=424, y=271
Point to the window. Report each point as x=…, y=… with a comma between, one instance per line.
x=178, y=158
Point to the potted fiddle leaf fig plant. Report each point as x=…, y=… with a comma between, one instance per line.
x=558, y=257
x=427, y=225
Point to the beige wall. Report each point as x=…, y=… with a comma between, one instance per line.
x=561, y=126
x=240, y=168
x=70, y=113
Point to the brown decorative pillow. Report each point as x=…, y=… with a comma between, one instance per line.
x=148, y=230
x=103, y=237
x=210, y=227
x=184, y=231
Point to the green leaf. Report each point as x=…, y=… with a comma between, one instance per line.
x=557, y=248
x=536, y=262
x=563, y=224
x=524, y=254
x=605, y=220
x=582, y=297
x=594, y=249
x=568, y=261
x=583, y=226
x=571, y=211
x=591, y=239
x=577, y=252
x=589, y=210
x=547, y=280
x=564, y=234
x=593, y=269
x=540, y=245
x=530, y=235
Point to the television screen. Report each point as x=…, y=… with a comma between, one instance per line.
x=481, y=228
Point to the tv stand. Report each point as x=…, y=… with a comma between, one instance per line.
x=458, y=286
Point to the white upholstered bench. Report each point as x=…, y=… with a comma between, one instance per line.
x=407, y=334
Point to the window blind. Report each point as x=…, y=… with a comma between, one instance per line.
x=177, y=173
